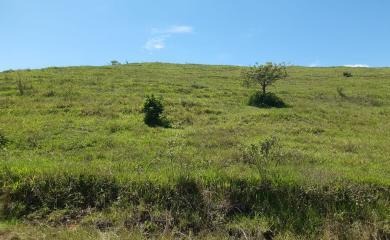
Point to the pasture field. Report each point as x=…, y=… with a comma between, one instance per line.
x=77, y=160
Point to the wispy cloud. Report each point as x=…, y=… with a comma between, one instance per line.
x=159, y=36
x=180, y=29
x=357, y=65
x=176, y=29
x=155, y=43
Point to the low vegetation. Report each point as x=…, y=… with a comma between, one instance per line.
x=79, y=162
x=3, y=140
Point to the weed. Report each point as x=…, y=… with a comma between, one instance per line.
x=198, y=86
x=50, y=93
x=115, y=127
x=264, y=155
x=340, y=92
x=21, y=87
x=3, y=140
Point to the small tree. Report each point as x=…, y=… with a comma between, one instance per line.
x=115, y=63
x=153, y=109
x=265, y=75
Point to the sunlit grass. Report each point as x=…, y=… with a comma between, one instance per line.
x=87, y=121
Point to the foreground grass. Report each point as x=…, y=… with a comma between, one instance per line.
x=77, y=146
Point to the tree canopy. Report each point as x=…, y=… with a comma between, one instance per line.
x=265, y=74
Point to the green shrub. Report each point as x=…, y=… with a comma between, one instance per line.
x=153, y=109
x=347, y=74
x=266, y=100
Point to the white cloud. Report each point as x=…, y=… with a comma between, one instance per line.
x=176, y=29
x=159, y=36
x=155, y=43
x=180, y=29
x=357, y=65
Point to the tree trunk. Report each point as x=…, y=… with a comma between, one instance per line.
x=263, y=86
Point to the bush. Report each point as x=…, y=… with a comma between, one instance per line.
x=153, y=109
x=266, y=100
x=347, y=74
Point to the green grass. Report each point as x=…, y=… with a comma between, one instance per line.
x=75, y=140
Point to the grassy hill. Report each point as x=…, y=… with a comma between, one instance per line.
x=75, y=151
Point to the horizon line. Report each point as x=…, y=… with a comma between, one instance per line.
x=185, y=63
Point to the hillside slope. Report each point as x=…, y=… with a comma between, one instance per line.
x=83, y=127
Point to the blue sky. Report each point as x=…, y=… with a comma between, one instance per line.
x=41, y=33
